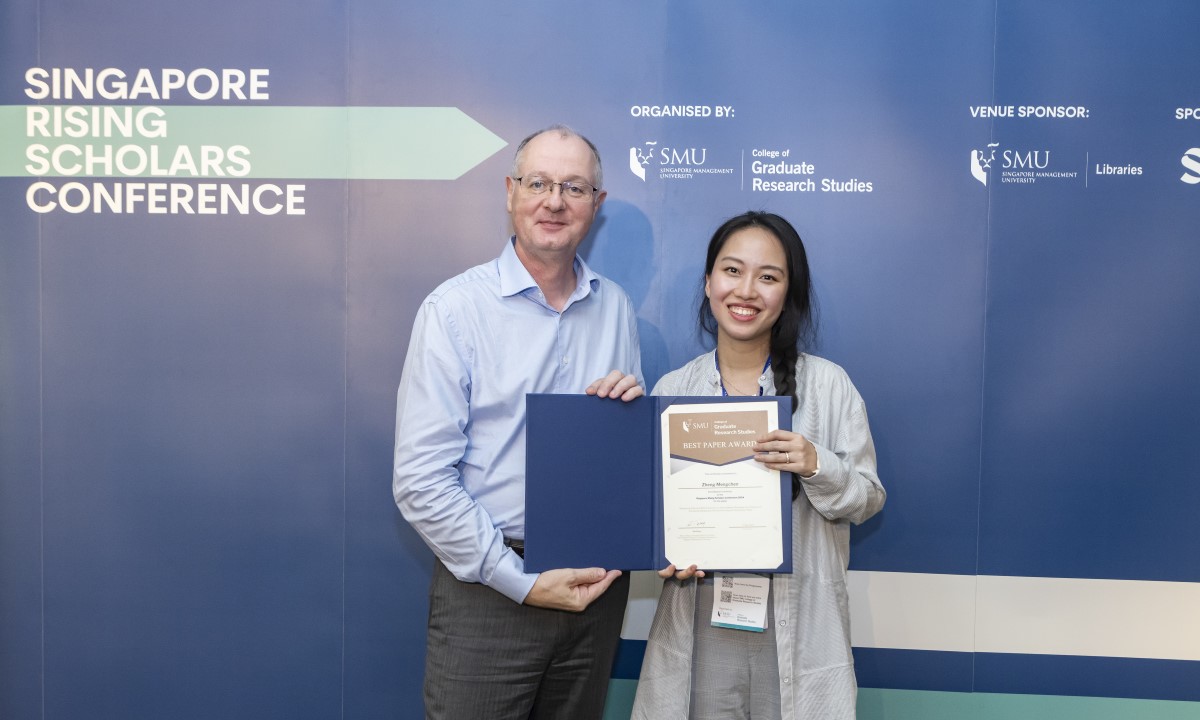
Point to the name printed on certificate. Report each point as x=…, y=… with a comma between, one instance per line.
x=721, y=508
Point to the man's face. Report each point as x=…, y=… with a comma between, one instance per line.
x=549, y=227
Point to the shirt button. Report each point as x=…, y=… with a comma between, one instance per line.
x=783, y=623
x=787, y=681
x=565, y=361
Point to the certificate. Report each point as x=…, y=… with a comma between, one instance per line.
x=721, y=508
x=598, y=475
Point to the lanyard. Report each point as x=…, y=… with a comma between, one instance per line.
x=724, y=392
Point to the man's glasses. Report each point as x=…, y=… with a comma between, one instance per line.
x=571, y=190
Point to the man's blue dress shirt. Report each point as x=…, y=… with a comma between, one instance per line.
x=480, y=342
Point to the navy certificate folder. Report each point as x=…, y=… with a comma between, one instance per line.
x=593, y=482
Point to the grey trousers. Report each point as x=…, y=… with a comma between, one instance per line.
x=735, y=673
x=489, y=657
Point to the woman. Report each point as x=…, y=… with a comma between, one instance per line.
x=758, y=307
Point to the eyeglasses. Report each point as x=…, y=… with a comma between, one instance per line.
x=570, y=189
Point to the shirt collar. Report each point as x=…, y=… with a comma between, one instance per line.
x=516, y=280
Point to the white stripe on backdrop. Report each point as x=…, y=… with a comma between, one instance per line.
x=986, y=613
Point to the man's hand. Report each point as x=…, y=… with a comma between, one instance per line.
x=616, y=384
x=571, y=589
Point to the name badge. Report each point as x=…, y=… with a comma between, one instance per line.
x=740, y=601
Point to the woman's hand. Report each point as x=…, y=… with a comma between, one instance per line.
x=684, y=574
x=787, y=451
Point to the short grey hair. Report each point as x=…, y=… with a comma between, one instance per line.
x=563, y=132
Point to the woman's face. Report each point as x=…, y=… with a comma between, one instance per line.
x=748, y=284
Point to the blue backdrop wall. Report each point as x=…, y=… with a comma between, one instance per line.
x=209, y=270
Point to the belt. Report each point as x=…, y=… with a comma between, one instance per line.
x=518, y=546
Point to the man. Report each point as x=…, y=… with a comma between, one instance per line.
x=503, y=643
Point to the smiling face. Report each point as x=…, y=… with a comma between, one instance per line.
x=748, y=285
x=549, y=227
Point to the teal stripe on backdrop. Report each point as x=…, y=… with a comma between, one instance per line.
x=875, y=704
x=620, y=699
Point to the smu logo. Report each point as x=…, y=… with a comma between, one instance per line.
x=673, y=162
x=981, y=162
x=639, y=158
x=1018, y=166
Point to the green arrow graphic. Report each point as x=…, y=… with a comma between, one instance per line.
x=354, y=143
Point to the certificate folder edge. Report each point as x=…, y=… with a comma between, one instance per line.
x=588, y=504
x=586, y=478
